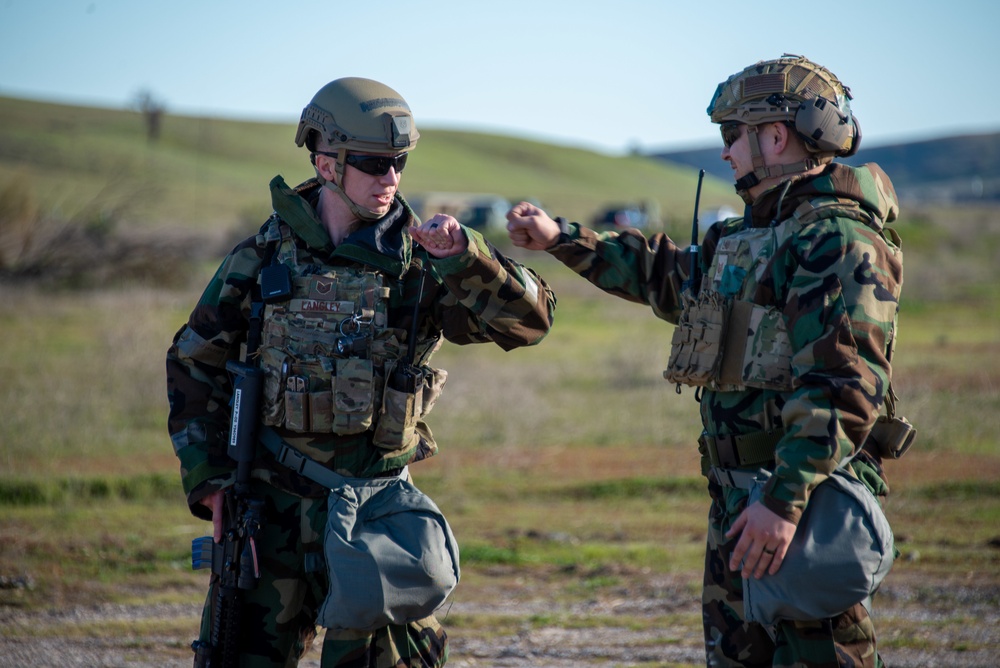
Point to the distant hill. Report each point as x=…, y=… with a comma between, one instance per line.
x=963, y=168
x=212, y=174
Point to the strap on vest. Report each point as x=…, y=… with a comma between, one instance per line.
x=741, y=451
x=291, y=458
x=308, y=467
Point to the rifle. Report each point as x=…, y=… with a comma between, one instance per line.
x=694, y=270
x=233, y=562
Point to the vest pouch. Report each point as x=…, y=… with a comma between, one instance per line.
x=398, y=417
x=296, y=410
x=697, y=344
x=757, y=351
x=273, y=396
x=307, y=395
x=321, y=411
x=354, y=388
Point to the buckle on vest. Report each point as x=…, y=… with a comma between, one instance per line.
x=292, y=459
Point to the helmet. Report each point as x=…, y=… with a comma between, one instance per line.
x=797, y=91
x=359, y=115
x=355, y=114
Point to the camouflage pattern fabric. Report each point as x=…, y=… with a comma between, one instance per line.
x=836, y=280
x=417, y=645
x=278, y=620
x=478, y=296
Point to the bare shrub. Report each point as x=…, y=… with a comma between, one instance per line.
x=93, y=246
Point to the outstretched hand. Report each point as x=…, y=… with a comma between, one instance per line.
x=441, y=235
x=531, y=228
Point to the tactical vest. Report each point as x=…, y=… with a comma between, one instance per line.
x=326, y=354
x=725, y=342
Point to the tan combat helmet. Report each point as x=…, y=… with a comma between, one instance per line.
x=794, y=90
x=358, y=115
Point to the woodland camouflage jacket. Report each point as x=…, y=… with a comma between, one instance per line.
x=478, y=296
x=836, y=282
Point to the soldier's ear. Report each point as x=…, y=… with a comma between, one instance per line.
x=781, y=136
x=326, y=166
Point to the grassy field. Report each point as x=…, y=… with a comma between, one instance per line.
x=568, y=470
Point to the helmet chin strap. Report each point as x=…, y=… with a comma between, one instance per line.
x=358, y=210
x=762, y=171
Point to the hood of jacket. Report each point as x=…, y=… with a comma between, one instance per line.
x=867, y=185
x=381, y=244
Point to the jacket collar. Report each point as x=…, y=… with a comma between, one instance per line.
x=382, y=244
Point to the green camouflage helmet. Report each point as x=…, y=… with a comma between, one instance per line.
x=358, y=115
x=794, y=90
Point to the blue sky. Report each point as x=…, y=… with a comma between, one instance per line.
x=602, y=75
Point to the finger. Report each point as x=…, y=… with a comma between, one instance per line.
x=764, y=559
x=522, y=210
x=519, y=238
x=741, y=545
x=776, y=561
x=738, y=525
x=515, y=211
x=737, y=556
x=217, y=501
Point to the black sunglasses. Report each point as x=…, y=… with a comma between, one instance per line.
x=376, y=165
x=730, y=133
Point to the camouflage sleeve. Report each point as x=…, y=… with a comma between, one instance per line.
x=628, y=265
x=198, y=387
x=841, y=307
x=492, y=298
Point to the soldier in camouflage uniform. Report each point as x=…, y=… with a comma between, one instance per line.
x=347, y=239
x=787, y=336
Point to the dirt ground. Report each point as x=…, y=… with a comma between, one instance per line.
x=921, y=624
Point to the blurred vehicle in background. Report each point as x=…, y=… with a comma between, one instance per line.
x=482, y=211
x=624, y=215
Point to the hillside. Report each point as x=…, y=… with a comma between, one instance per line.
x=211, y=174
x=952, y=169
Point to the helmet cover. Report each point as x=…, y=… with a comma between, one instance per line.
x=794, y=90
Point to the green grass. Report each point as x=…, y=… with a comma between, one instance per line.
x=589, y=474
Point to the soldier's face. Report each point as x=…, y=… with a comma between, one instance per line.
x=374, y=192
x=736, y=150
